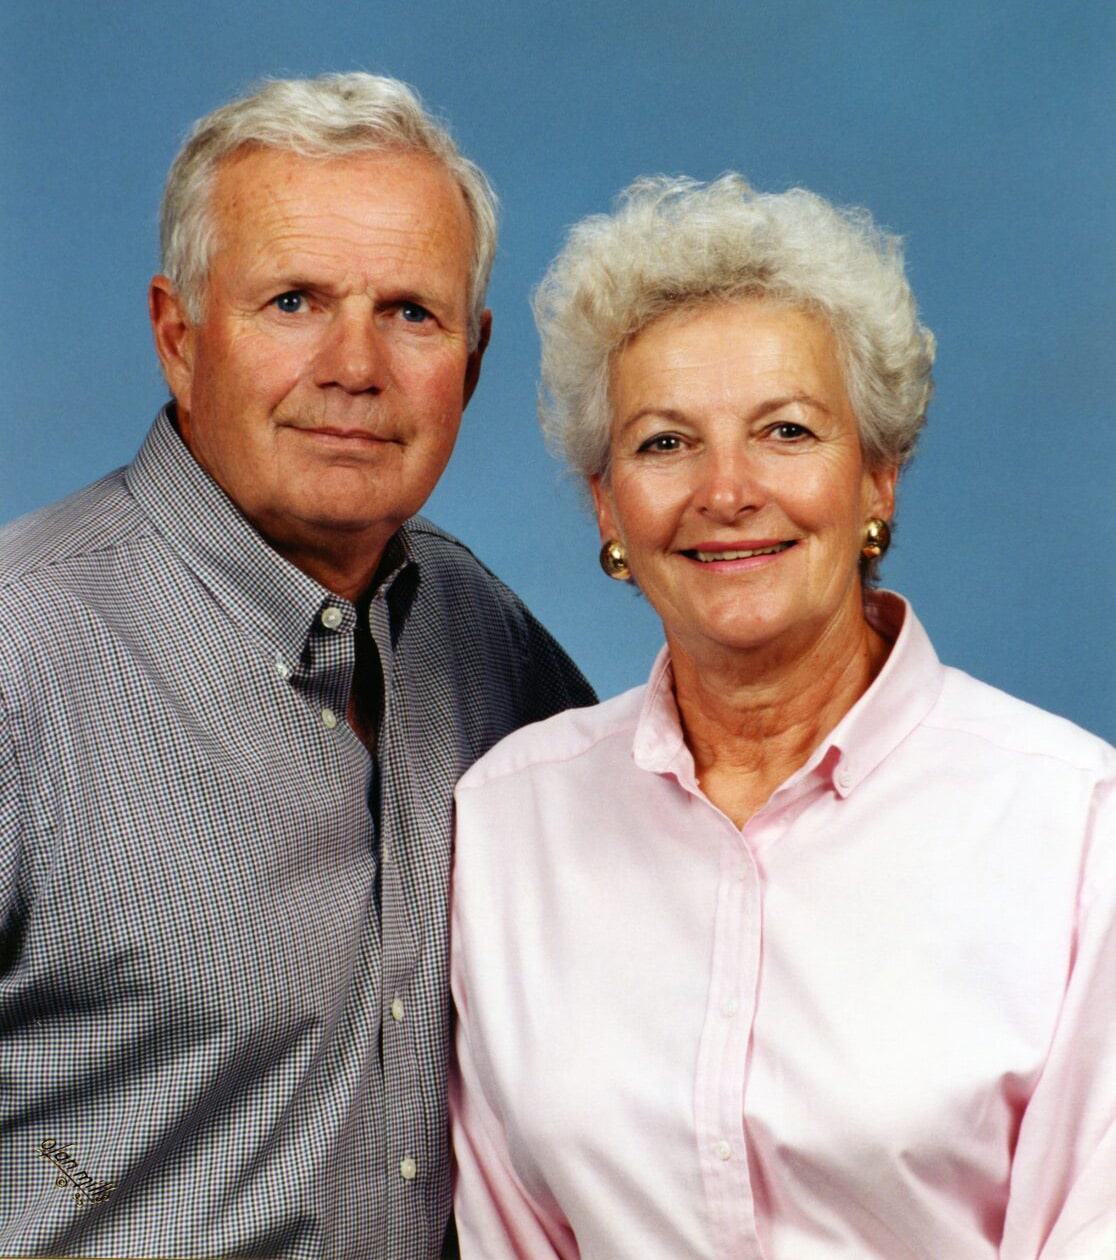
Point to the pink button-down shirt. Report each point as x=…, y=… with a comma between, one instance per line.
x=878, y=1021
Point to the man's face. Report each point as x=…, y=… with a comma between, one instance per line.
x=324, y=386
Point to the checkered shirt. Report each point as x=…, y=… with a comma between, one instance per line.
x=223, y=991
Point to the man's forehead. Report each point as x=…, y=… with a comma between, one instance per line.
x=283, y=216
x=265, y=191
x=279, y=169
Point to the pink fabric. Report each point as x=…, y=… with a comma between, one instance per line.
x=879, y=1021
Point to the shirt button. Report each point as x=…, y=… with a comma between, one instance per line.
x=729, y=1007
x=742, y=872
x=332, y=617
x=844, y=778
x=329, y=719
x=722, y=1150
x=397, y=1009
x=408, y=1169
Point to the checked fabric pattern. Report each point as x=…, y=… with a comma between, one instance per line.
x=223, y=989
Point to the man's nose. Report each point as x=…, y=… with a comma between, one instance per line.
x=354, y=354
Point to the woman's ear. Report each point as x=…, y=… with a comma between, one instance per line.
x=880, y=490
x=602, y=502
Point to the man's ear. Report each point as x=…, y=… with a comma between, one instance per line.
x=174, y=339
x=473, y=367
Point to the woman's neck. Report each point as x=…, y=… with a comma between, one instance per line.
x=752, y=718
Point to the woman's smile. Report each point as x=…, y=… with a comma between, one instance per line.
x=737, y=484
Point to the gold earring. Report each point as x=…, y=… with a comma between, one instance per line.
x=877, y=538
x=614, y=560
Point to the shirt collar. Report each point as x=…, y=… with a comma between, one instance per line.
x=659, y=745
x=251, y=580
x=899, y=698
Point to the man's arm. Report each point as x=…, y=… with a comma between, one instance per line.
x=554, y=682
x=10, y=839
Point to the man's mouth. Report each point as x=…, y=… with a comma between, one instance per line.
x=335, y=431
x=739, y=553
x=351, y=437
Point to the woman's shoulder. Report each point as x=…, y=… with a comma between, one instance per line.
x=970, y=715
x=566, y=737
x=979, y=711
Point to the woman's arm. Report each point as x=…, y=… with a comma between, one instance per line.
x=496, y=1217
x=1062, y=1203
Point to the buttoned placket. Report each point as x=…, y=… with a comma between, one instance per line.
x=720, y=1078
x=406, y=1152
x=323, y=672
x=379, y=626
x=333, y=716
x=723, y=1046
x=722, y=1068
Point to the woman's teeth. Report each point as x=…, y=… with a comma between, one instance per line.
x=707, y=557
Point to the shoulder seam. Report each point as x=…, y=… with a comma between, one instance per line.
x=502, y=769
x=47, y=563
x=1086, y=760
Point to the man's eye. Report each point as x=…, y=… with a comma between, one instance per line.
x=290, y=303
x=413, y=313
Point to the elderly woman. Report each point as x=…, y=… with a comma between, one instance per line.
x=806, y=948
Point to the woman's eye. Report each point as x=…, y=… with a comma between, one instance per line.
x=290, y=303
x=662, y=443
x=413, y=313
x=788, y=431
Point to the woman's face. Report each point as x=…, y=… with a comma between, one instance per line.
x=737, y=482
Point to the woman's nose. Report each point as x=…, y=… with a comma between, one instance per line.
x=729, y=485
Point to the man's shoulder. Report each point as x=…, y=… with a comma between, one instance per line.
x=92, y=521
x=485, y=626
x=438, y=548
x=453, y=569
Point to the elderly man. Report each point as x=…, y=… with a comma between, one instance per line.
x=238, y=680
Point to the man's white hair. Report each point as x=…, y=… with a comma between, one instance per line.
x=334, y=115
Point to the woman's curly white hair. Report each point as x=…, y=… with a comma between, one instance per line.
x=673, y=243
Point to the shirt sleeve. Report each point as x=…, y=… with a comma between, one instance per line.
x=10, y=827
x=1062, y=1202
x=497, y=1219
x=553, y=682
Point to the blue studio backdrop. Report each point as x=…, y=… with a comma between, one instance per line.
x=982, y=132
